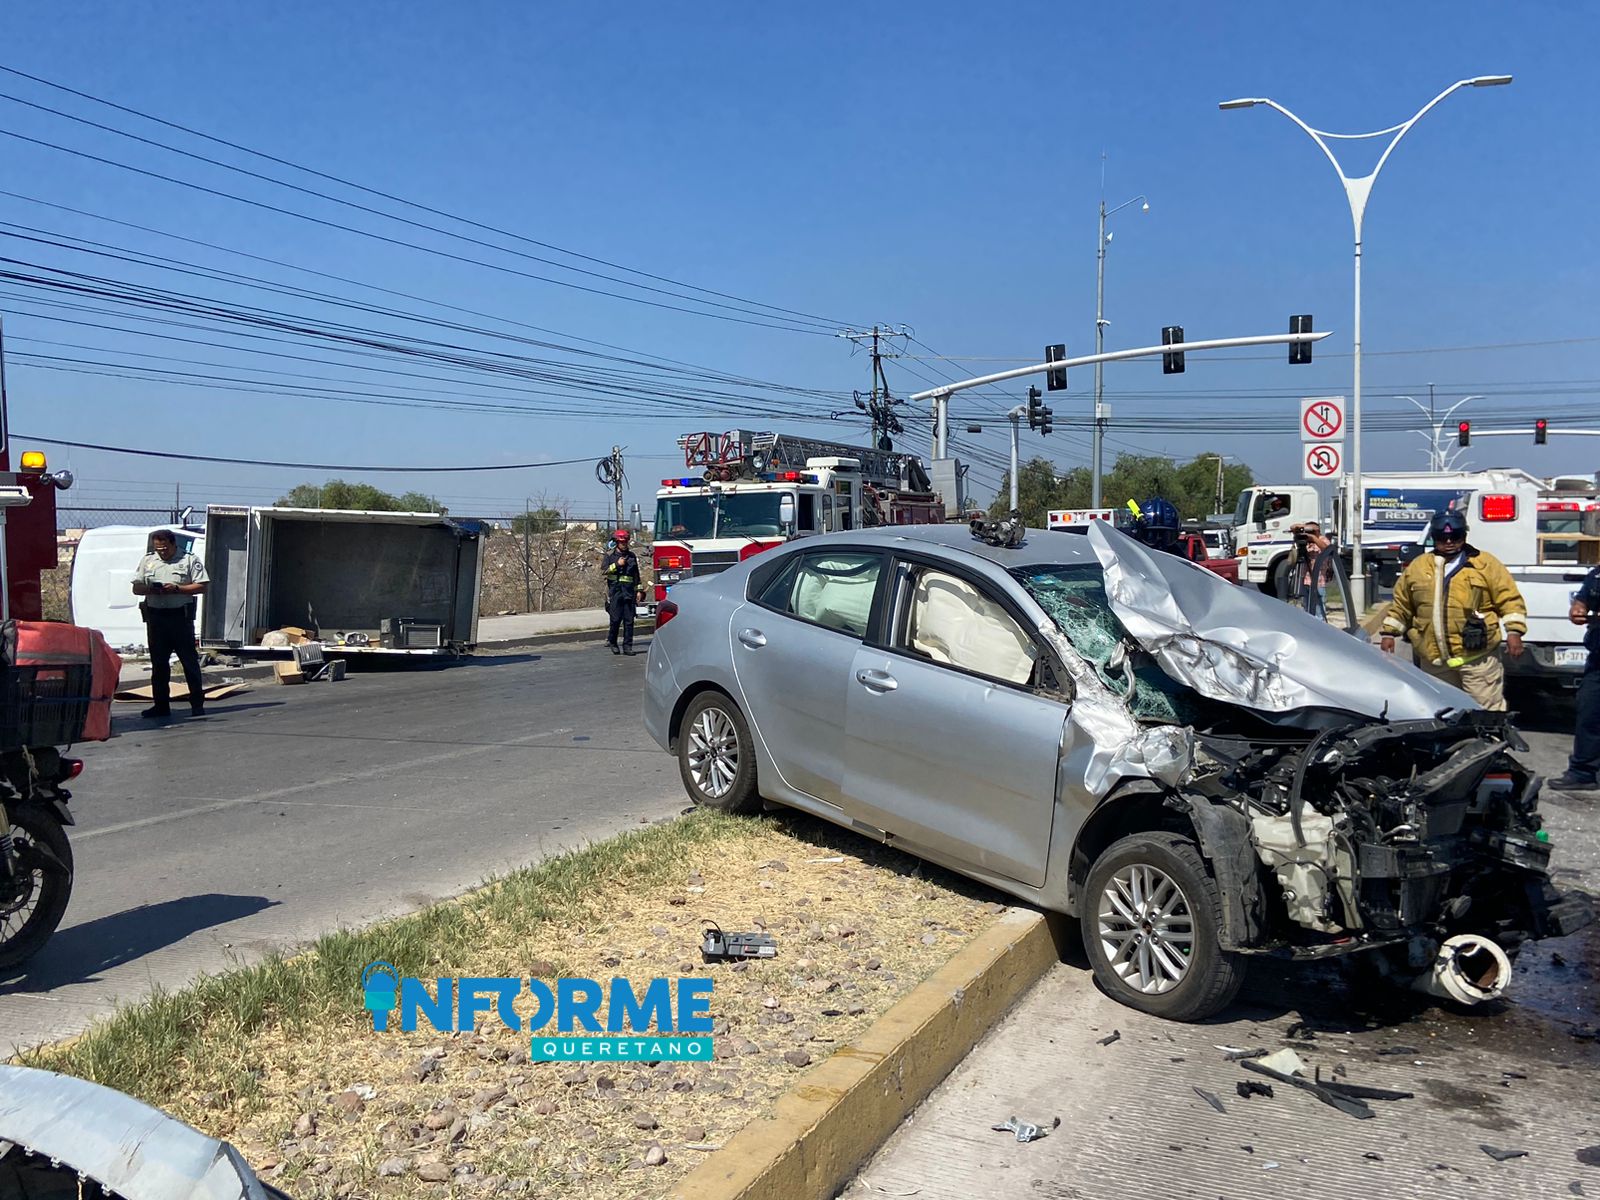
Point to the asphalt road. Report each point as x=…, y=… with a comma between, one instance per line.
x=290, y=811
x=1519, y=1074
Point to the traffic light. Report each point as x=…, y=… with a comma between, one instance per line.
x=1300, y=352
x=1172, y=364
x=1035, y=403
x=1045, y=423
x=1464, y=433
x=1541, y=432
x=1055, y=381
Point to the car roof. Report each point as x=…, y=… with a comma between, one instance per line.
x=1039, y=546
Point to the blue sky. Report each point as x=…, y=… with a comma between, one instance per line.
x=937, y=167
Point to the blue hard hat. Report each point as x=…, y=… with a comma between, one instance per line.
x=1159, y=514
x=1450, y=520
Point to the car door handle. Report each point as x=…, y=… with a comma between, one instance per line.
x=877, y=681
x=753, y=638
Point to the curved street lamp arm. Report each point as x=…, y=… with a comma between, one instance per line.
x=1125, y=204
x=1405, y=127
x=1314, y=135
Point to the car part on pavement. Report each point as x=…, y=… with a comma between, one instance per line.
x=1250, y=1087
x=1469, y=970
x=1026, y=1131
x=1114, y=1036
x=1345, y=1104
x=1211, y=1099
x=1500, y=1155
x=70, y=1131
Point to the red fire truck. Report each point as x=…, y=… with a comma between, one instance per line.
x=27, y=521
x=755, y=491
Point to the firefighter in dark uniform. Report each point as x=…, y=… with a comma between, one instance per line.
x=624, y=591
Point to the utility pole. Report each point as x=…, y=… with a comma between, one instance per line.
x=1016, y=435
x=1100, y=323
x=879, y=405
x=527, y=554
x=617, y=480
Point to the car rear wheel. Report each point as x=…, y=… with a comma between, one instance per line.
x=715, y=756
x=1151, y=918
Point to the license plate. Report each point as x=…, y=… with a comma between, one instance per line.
x=1571, y=656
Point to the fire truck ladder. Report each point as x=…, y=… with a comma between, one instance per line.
x=740, y=451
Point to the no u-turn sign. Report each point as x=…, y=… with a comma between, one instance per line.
x=1323, y=460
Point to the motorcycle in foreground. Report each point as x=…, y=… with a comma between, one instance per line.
x=35, y=856
x=56, y=685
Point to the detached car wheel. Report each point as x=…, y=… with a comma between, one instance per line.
x=1151, y=918
x=715, y=756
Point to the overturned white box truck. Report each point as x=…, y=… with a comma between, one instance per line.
x=361, y=583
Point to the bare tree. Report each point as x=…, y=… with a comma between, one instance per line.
x=551, y=547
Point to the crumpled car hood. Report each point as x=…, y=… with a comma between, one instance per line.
x=131, y=1149
x=1240, y=646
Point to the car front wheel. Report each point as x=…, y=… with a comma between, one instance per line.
x=1151, y=919
x=715, y=756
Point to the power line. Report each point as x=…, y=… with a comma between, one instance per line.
x=382, y=194
x=401, y=242
x=255, y=462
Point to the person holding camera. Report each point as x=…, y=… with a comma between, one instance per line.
x=169, y=584
x=1454, y=606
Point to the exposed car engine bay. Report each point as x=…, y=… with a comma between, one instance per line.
x=1346, y=802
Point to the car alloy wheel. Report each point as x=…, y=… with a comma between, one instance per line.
x=713, y=753
x=1146, y=928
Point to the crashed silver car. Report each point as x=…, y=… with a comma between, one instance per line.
x=1198, y=772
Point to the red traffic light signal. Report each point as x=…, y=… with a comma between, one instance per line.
x=1541, y=432
x=1464, y=433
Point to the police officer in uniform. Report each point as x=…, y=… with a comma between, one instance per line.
x=169, y=583
x=1584, y=764
x=624, y=590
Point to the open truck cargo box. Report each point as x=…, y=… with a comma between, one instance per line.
x=350, y=579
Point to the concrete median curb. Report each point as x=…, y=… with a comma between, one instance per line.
x=642, y=629
x=842, y=1110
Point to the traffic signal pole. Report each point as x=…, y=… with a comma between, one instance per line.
x=939, y=396
x=1016, y=437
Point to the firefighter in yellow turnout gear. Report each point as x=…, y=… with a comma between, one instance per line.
x=1456, y=606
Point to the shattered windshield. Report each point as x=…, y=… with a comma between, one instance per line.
x=1074, y=597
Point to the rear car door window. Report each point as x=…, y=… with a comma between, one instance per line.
x=950, y=621
x=833, y=589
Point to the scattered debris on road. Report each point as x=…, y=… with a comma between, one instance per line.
x=1234, y=1054
x=1026, y=1131
x=1250, y=1087
x=1344, y=1104
x=1500, y=1155
x=1114, y=1036
x=1210, y=1099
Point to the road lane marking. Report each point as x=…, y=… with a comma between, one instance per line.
x=343, y=777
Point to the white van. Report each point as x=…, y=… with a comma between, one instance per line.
x=101, y=588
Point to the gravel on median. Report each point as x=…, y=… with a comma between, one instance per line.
x=283, y=1060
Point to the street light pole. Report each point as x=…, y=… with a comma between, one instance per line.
x=1100, y=341
x=1436, y=459
x=1357, y=191
x=1016, y=434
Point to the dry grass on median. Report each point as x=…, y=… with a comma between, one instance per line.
x=282, y=1060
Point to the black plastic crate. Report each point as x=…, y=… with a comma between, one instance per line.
x=44, y=705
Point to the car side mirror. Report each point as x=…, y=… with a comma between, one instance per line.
x=786, y=513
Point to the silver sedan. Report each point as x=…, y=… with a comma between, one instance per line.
x=1200, y=773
